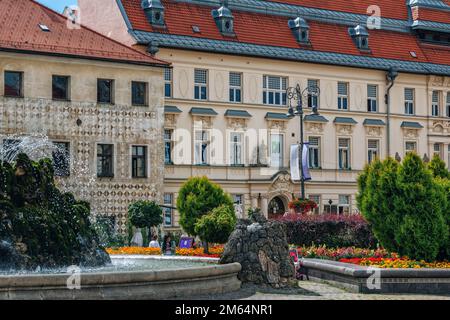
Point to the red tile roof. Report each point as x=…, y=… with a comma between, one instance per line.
x=269, y=30
x=20, y=31
x=431, y=15
x=395, y=9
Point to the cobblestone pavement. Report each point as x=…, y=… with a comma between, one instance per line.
x=324, y=291
x=309, y=290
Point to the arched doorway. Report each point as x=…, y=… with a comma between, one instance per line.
x=276, y=208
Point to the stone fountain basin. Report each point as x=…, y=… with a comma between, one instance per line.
x=130, y=285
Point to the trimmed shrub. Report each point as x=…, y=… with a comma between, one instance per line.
x=328, y=230
x=145, y=214
x=197, y=197
x=405, y=207
x=216, y=226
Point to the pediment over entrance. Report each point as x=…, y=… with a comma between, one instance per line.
x=282, y=185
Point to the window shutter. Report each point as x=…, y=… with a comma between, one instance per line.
x=435, y=96
x=313, y=83
x=372, y=91
x=373, y=144
x=409, y=94
x=235, y=79
x=343, y=143
x=200, y=76
x=342, y=88
x=314, y=141
x=168, y=74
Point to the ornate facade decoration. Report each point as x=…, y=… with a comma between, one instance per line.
x=277, y=125
x=374, y=131
x=203, y=122
x=237, y=123
x=344, y=129
x=170, y=120
x=315, y=127
x=411, y=133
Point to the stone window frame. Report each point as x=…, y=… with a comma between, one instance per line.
x=146, y=160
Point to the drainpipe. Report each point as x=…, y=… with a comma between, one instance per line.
x=390, y=76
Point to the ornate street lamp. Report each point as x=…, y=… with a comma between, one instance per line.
x=295, y=95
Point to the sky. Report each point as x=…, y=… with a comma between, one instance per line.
x=57, y=5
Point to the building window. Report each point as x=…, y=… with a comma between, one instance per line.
x=60, y=88
x=201, y=147
x=105, y=158
x=168, y=211
x=372, y=98
x=13, y=84
x=201, y=84
x=276, y=150
x=373, y=150
x=438, y=149
x=61, y=159
x=316, y=199
x=344, y=204
x=274, y=90
x=168, y=146
x=139, y=162
x=410, y=146
x=344, y=153
x=105, y=90
x=235, y=87
x=435, y=104
x=409, y=101
x=448, y=104
x=139, y=93
x=236, y=149
x=313, y=98
x=342, y=95
x=314, y=152
x=168, y=72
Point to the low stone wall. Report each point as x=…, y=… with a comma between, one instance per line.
x=141, y=285
x=361, y=279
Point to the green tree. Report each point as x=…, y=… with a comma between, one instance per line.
x=197, y=197
x=404, y=206
x=145, y=214
x=216, y=226
x=437, y=167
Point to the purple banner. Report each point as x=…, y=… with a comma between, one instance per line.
x=305, y=160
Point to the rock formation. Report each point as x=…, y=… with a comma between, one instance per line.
x=261, y=247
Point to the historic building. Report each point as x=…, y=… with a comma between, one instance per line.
x=97, y=99
x=383, y=68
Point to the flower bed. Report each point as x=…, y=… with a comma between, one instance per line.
x=215, y=252
x=134, y=251
x=322, y=252
x=396, y=263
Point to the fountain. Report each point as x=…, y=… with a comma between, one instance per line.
x=47, y=241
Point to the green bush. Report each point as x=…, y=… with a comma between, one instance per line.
x=216, y=226
x=197, y=197
x=438, y=169
x=405, y=207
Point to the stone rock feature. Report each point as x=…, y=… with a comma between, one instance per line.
x=41, y=226
x=261, y=247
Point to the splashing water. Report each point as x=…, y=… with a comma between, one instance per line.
x=39, y=146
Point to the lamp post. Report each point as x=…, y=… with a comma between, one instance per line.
x=296, y=94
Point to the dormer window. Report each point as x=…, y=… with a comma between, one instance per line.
x=300, y=29
x=154, y=11
x=224, y=19
x=360, y=37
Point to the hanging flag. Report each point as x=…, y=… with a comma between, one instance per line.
x=305, y=160
x=295, y=162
